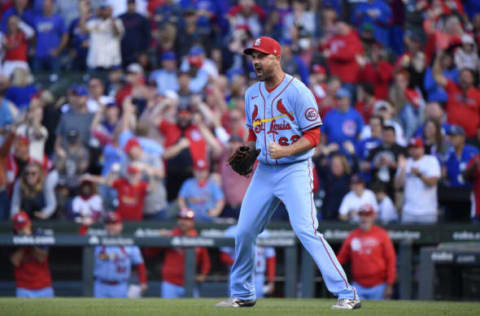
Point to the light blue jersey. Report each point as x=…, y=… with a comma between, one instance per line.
x=114, y=263
x=281, y=116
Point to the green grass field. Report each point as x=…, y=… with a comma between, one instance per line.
x=270, y=307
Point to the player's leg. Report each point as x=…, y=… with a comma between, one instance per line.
x=294, y=187
x=259, y=284
x=99, y=289
x=362, y=292
x=120, y=290
x=258, y=206
x=24, y=293
x=170, y=290
x=377, y=291
x=45, y=292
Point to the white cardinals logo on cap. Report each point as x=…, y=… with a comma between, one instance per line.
x=258, y=41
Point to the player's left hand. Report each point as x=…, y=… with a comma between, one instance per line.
x=276, y=151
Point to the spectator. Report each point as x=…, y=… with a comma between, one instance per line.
x=34, y=193
x=341, y=52
x=233, y=185
x=376, y=13
x=455, y=192
x=105, y=123
x=173, y=274
x=105, y=35
x=15, y=42
x=72, y=161
x=4, y=181
x=166, y=78
x=247, y=14
x=384, y=109
x=34, y=131
x=202, y=68
x=463, y=100
x=190, y=34
x=131, y=191
x=301, y=17
x=366, y=145
x=30, y=263
x=418, y=175
x=371, y=252
x=202, y=194
x=387, y=212
x=356, y=199
x=186, y=143
x=21, y=11
x=76, y=118
x=22, y=89
x=156, y=199
x=97, y=97
x=87, y=207
x=292, y=64
x=137, y=37
x=434, y=112
x=334, y=177
x=51, y=38
x=265, y=263
x=433, y=139
x=365, y=101
x=377, y=71
x=343, y=124
x=79, y=40
x=466, y=56
x=435, y=92
x=384, y=159
x=112, y=267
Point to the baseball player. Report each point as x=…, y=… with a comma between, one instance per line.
x=265, y=261
x=173, y=274
x=284, y=128
x=113, y=264
x=31, y=269
x=371, y=252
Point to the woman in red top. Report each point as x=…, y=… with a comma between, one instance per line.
x=174, y=261
x=15, y=45
x=371, y=252
x=31, y=269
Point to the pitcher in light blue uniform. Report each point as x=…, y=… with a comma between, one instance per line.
x=283, y=120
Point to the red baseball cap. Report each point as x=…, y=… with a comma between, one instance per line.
x=186, y=213
x=21, y=220
x=415, y=142
x=366, y=210
x=201, y=165
x=132, y=142
x=113, y=218
x=266, y=45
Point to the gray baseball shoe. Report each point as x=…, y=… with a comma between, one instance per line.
x=347, y=303
x=235, y=302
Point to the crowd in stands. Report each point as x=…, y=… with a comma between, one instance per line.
x=134, y=106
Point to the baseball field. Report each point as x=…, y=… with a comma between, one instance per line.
x=277, y=307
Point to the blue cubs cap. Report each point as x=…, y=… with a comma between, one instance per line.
x=456, y=130
x=342, y=93
x=79, y=89
x=168, y=56
x=196, y=51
